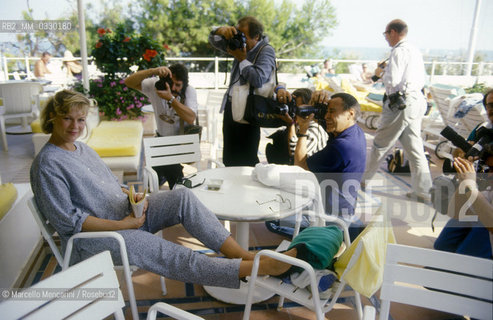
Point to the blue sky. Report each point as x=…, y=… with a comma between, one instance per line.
x=433, y=24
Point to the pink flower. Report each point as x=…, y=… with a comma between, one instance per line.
x=125, y=89
x=118, y=111
x=112, y=83
x=100, y=85
x=122, y=81
x=124, y=117
x=131, y=106
x=142, y=98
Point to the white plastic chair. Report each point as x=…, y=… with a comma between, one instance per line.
x=47, y=230
x=170, y=311
x=90, y=278
x=161, y=151
x=303, y=296
x=20, y=100
x=437, y=280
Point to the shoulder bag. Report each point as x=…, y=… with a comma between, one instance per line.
x=255, y=106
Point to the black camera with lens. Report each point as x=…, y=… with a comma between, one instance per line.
x=161, y=84
x=318, y=109
x=238, y=41
x=397, y=101
x=283, y=108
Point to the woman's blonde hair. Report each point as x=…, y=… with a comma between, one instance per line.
x=61, y=104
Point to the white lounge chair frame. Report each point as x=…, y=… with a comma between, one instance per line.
x=311, y=300
x=170, y=311
x=437, y=280
x=20, y=100
x=47, y=230
x=95, y=273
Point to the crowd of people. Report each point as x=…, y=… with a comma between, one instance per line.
x=77, y=192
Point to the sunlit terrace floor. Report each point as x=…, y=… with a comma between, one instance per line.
x=411, y=221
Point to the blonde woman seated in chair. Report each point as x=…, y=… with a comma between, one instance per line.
x=77, y=192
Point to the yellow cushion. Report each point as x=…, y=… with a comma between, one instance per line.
x=360, y=96
x=366, y=275
x=8, y=196
x=36, y=126
x=117, y=138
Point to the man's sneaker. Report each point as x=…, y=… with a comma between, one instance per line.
x=419, y=198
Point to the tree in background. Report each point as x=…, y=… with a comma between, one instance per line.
x=184, y=25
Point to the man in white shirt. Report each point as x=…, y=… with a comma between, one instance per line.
x=174, y=107
x=403, y=109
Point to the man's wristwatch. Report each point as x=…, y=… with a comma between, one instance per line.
x=170, y=101
x=299, y=135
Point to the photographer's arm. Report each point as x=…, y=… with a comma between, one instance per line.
x=259, y=73
x=185, y=112
x=300, y=153
x=134, y=81
x=480, y=206
x=218, y=40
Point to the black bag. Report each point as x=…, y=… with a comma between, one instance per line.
x=278, y=151
x=261, y=111
x=396, y=162
x=442, y=190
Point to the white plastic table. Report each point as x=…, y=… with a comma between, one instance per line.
x=243, y=200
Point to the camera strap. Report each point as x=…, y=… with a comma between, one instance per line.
x=255, y=59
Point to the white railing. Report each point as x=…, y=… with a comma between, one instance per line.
x=483, y=71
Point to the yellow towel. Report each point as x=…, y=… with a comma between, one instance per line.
x=8, y=195
x=360, y=96
x=117, y=138
x=366, y=275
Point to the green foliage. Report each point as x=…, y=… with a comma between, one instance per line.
x=477, y=87
x=184, y=25
x=118, y=50
x=115, y=100
x=115, y=53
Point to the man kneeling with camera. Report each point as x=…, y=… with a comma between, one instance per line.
x=340, y=165
x=175, y=106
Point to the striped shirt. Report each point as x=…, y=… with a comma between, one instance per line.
x=316, y=140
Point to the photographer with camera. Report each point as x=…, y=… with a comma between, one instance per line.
x=254, y=63
x=479, y=137
x=281, y=151
x=175, y=106
x=403, y=109
x=463, y=233
x=344, y=157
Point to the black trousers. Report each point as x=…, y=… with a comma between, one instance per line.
x=170, y=173
x=240, y=141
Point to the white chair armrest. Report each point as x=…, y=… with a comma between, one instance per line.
x=291, y=260
x=171, y=311
x=151, y=179
x=97, y=234
x=369, y=313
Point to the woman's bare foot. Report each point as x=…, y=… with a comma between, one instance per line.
x=267, y=265
x=273, y=267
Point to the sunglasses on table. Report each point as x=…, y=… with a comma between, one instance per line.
x=187, y=182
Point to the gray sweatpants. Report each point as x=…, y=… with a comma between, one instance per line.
x=174, y=261
x=405, y=126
